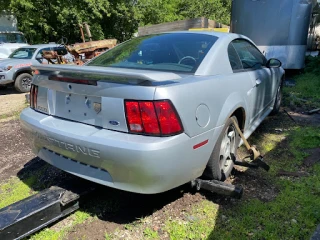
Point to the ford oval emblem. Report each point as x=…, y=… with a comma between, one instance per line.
x=114, y=123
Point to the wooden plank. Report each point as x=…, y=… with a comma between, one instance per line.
x=214, y=24
x=174, y=26
x=182, y=25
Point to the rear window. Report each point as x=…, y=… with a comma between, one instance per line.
x=174, y=52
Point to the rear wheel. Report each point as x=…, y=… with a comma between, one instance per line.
x=224, y=153
x=23, y=82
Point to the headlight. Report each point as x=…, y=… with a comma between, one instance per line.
x=5, y=68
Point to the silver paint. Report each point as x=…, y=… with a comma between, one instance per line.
x=147, y=164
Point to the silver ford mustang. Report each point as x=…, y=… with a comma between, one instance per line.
x=154, y=112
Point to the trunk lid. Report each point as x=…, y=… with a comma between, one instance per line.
x=94, y=95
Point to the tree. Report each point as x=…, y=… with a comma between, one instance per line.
x=159, y=11
x=44, y=21
x=218, y=10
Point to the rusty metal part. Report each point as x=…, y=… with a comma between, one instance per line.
x=87, y=28
x=81, y=31
x=82, y=51
x=92, y=46
x=90, y=49
x=51, y=55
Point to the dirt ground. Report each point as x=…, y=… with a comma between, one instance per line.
x=122, y=208
x=11, y=101
x=13, y=144
x=15, y=152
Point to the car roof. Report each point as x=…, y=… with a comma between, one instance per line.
x=42, y=45
x=212, y=33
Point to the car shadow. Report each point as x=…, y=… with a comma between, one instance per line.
x=7, y=90
x=106, y=203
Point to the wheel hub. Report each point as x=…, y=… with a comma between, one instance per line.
x=26, y=82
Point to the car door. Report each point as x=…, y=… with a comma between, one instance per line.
x=39, y=58
x=254, y=63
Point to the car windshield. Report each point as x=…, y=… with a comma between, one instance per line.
x=174, y=52
x=23, y=53
x=12, y=38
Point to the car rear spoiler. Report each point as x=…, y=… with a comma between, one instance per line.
x=94, y=73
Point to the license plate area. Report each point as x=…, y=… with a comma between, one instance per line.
x=78, y=107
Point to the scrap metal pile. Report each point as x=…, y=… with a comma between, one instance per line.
x=87, y=50
x=81, y=52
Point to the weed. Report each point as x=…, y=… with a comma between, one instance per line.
x=198, y=225
x=150, y=234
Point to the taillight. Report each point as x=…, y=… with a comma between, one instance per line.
x=33, y=96
x=158, y=118
x=168, y=118
x=134, y=120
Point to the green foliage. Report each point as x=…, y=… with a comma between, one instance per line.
x=44, y=21
x=159, y=11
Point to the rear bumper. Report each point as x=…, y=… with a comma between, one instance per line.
x=124, y=161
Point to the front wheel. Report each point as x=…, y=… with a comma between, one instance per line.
x=23, y=82
x=224, y=153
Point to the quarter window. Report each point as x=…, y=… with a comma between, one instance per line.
x=234, y=58
x=249, y=55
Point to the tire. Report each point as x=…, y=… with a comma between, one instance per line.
x=23, y=82
x=224, y=153
x=277, y=103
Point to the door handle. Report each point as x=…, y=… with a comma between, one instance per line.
x=258, y=82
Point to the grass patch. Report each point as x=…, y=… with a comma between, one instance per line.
x=148, y=233
x=15, y=190
x=304, y=138
x=294, y=214
x=49, y=234
x=199, y=223
x=307, y=85
x=14, y=115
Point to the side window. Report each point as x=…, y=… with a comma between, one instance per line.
x=61, y=50
x=39, y=55
x=234, y=58
x=249, y=55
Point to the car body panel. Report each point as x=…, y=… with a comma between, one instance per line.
x=125, y=157
x=65, y=126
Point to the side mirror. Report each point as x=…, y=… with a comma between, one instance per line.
x=274, y=63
